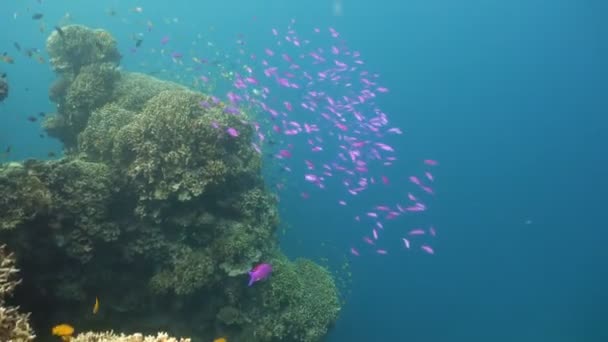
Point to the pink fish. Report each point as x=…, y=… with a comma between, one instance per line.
x=232, y=132
x=259, y=272
x=354, y=251
x=427, y=249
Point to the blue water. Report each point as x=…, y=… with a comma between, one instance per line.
x=510, y=97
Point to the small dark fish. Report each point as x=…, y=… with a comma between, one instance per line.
x=3, y=75
x=37, y=16
x=32, y=118
x=8, y=149
x=138, y=42
x=41, y=136
x=42, y=114
x=52, y=154
x=59, y=31
x=17, y=46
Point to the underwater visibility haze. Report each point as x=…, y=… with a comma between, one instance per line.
x=303, y=171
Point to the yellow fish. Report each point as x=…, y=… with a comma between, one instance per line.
x=64, y=331
x=96, y=306
x=221, y=339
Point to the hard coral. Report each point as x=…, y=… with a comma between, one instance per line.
x=14, y=326
x=187, y=271
x=112, y=337
x=24, y=195
x=97, y=139
x=82, y=197
x=74, y=46
x=299, y=302
x=133, y=90
x=175, y=151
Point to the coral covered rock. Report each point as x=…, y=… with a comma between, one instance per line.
x=156, y=210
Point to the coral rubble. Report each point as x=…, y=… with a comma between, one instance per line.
x=154, y=209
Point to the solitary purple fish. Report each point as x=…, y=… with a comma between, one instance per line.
x=232, y=132
x=259, y=272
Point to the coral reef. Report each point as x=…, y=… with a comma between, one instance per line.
x=14, y=325
x=87, y=62
x=111, y=337
x=155, y=210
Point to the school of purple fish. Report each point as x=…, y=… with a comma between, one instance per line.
x=323, y=98
x=315, y=107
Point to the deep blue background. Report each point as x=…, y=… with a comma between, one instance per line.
x=510, y=96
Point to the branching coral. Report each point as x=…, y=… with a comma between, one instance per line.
x=112, y=337
x=14, y=326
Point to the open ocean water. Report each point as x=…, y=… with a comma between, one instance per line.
x=509, y=97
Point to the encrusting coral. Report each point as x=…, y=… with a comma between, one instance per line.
x=155, y=210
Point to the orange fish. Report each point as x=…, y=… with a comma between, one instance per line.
x=65, y=331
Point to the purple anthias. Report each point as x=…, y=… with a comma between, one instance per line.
x=259, y=272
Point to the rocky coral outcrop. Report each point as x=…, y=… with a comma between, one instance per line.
x=156, y=210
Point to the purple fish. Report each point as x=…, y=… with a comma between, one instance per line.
x=259, y=272
x=232, y=132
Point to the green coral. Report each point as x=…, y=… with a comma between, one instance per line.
x=300, y=302
x=187, y=271
x=24, y=196
x=82, y=193
x=133, y=90
x=74, y=46
x=90, y=89
x=97, y=138
x=175, y=153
